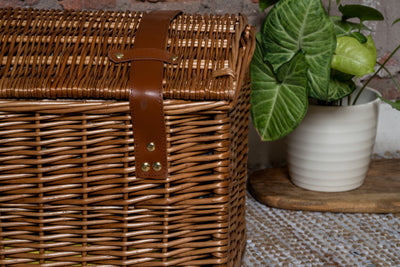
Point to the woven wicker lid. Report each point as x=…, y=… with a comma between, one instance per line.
x=63, y=54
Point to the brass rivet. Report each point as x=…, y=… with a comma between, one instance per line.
x=146, y=167
x=119, y=55
x=174, y=58
x=151, y=146
x=157, y=166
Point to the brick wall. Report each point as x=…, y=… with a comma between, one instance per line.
x=248, y=7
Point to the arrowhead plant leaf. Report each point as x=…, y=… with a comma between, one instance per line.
x=340, y=89
x=278, y=100
x=301, y=25
x=302, y=53
x=354, y=58
x=361, y=12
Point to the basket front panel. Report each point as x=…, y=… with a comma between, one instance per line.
x=69, y=195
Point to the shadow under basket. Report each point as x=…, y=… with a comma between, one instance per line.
x=72, y=192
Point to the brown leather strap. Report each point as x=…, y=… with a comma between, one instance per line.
x=146, y=92
x=119, y=56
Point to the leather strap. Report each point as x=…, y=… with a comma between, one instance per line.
x=146, y=92
x=119, y=56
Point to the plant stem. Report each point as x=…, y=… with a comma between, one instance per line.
x=391, y=76
x=360, y=25
x=375, y=73
x=329, y=7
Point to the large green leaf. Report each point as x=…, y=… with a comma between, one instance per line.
x=278, y=101
x=340, y=89
x=354, y=58
x=301, y=25
x=360, y=11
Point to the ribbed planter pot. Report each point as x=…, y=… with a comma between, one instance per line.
x=331, y=149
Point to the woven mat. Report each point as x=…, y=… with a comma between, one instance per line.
x=277, y=237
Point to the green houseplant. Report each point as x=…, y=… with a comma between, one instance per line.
x=305, y=56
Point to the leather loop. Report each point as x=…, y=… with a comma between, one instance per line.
x=146, y=96
x=119, y=56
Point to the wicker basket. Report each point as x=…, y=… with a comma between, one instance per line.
x=71, y=192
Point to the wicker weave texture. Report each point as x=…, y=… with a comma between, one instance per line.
x=63, y=54
x=69, y=195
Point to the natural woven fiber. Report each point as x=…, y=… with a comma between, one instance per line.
x=279, y=237
x=63, y=54
x=68, y=191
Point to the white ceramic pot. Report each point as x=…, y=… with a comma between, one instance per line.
x=331, y=149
